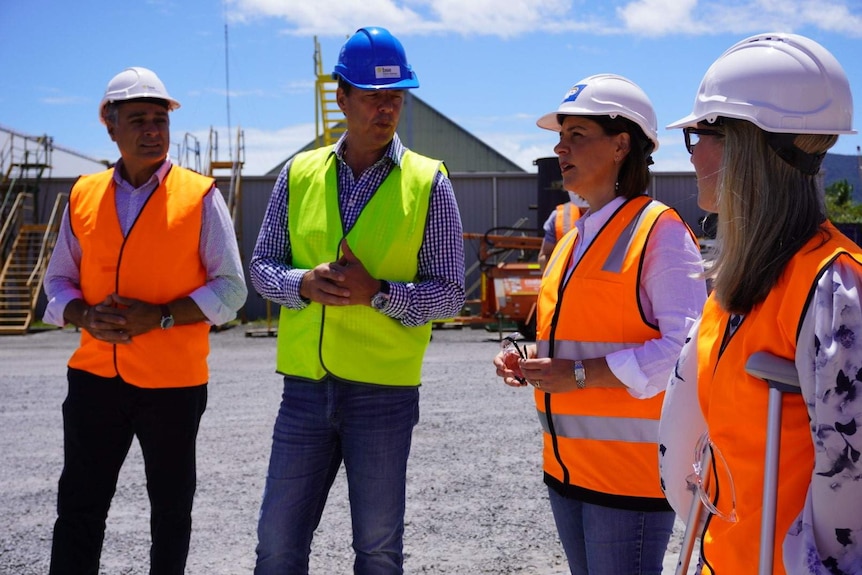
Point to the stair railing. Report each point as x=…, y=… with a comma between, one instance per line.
x=48, y=240
x=13, y=220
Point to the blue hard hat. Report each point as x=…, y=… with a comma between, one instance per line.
x=374, y=59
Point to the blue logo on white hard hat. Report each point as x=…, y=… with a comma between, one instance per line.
x=573, y=94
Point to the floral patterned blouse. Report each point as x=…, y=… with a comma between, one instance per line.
x=826, y=537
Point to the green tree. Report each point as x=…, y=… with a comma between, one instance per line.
x=840, y=206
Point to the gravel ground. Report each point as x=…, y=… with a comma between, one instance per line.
x=476, y=502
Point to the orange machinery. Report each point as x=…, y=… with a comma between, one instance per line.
x=509, y=281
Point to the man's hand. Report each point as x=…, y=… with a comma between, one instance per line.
x=103, y=322
x=344, y=282
x=136, y=316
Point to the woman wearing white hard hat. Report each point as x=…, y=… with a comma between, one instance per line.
x=619, y=293
x=786, y=282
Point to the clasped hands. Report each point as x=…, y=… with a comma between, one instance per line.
x=118, y=319
x=343, y=282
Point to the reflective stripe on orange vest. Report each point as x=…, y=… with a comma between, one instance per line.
x=601, y=440
x=157, y=262
x=567, y=214
x=735, y=407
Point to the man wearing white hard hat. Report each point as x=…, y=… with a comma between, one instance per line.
x=145, y=262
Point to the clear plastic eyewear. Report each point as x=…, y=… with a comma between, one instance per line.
x=709, y=464
x=509, y=345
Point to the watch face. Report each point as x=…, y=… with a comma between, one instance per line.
x=167, y=322
x=380, y=301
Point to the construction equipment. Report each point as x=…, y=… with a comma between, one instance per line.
x=234, y=164
x=509, y=280
x=781, y=376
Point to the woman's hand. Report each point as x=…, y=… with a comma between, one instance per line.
x=507, y=364
x=551, y=375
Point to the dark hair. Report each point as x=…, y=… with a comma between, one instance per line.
x=344, y=85
x=634, y=176
x=111, y=110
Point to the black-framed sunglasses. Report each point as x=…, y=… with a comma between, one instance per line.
x=692, y=136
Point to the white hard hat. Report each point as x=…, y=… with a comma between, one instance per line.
x=783, y=83
x=606, y=95
x=133, y=83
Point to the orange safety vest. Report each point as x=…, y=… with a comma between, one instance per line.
x=600, y=444
x=734, y=405
x=158, y=261
x=567, y=214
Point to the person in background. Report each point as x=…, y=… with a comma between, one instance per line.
x=787, y=282
x=145, y=262
x=558, y=223
x=620, y=293
x=362, y=247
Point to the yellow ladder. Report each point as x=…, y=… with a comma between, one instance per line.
x=329, y=121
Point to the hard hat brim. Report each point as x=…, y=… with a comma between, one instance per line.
x=689, y=121
x=405, y=84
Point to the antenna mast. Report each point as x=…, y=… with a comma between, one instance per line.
x=227, y=90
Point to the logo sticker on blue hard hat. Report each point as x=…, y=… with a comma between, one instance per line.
x=573, y=94
x=384, y=72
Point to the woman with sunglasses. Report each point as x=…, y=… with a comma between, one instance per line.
x=787, y=282
x=618, y=296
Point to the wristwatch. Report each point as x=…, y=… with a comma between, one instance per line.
x=167, y=321
x=380, y=300
x=580, y=374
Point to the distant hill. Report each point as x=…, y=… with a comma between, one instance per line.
x=837, y=167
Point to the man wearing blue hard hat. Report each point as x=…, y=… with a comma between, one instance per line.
x=362, y=247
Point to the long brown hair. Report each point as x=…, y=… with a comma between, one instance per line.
x=767, y=210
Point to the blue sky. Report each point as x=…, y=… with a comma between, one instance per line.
x=491, y=66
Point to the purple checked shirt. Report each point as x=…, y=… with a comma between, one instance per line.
x=437, y=293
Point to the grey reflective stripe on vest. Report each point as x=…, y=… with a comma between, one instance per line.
x=628, y=429
x=566, y=349
x=567, y=216
x=614, y=263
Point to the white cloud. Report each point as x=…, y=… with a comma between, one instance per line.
x=666, y=17
x=658, y=17
x=520, y=17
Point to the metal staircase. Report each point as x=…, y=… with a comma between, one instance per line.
x=24, y=271
x=25, y=245
x=329, y=121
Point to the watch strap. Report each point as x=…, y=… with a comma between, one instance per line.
x=580, y=374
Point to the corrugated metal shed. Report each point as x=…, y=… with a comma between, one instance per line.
x=428, y=132
x=489, y=201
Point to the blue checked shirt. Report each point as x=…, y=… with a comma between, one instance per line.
x=438, y=292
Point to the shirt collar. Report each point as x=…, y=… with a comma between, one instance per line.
x=591, y=222
x=394, y=152
x=158, y=176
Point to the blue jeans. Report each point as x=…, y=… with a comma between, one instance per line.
x=606, y=541
x=319, y=425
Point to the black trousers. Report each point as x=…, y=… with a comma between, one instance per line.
x=100, y=418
